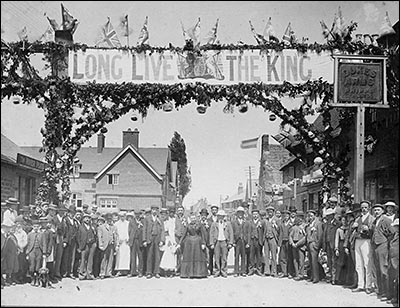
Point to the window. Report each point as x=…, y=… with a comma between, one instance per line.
x=76, y=200
x=108, y=202
x=75, y=170
x=113, y=179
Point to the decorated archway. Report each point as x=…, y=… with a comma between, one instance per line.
x=75, y=111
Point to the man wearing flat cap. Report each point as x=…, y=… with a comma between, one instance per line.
x=381, y=235
x=241, y=228
x=255, y=240
x=330, y=227
x=271, y=238
x=135, y=230
x=314, y=234
x=153, y=239
x=36, y=250
x=86, y=246
x=213, y=218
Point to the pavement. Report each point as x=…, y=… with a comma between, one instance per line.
x=251, y=291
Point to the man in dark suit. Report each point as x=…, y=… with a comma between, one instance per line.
x=283, y=243
x=60, y=234
x=240, y=227
x=381, y=235
x=153, y=239
x=180, y=225
x=332, y=224
x=70, y=227
x=135, y=231
x=255, y=240
x=314, y=234
x=86, y=245
x=210, y=221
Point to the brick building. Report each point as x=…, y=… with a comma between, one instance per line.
x=124, y=178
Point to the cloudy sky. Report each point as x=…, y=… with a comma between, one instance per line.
x=217, y=162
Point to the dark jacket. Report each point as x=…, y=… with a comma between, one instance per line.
x=50, y=238
x=85, y=236
x=382, y=231
x=271, y=228
x=31, y=241
x=284, y=231
x=256, y=231
x=135, y=231
x=314, y=233
x=240, y=231
x=153, y=230
x=70, y=230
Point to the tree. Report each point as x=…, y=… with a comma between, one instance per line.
x=178, y=154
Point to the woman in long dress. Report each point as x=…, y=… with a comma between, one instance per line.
x=194, y=259
x=168, y=259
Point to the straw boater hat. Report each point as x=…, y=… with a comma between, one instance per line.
x=312, y=211
x=12, y=201
x=214, y=206
x=130, y=213
x=378, y=205
x=240, y=209
x=285, y=212
x=53, y=207
x=333, y=199
x=270, y=208
x=155, y=206
x=221, y=212
x=392, y=204
x=122, y=213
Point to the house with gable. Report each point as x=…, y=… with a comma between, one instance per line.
x=126, y=178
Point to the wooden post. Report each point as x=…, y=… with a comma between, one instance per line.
x=360, y=150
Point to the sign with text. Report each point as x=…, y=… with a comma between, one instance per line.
x=212, y=66
x=30, y=162
x=360, y=82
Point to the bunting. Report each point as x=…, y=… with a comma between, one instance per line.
x=110, y=37
x=144, y=34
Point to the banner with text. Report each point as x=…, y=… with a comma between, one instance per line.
x=212, y=66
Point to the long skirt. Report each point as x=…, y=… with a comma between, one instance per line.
x=123, y=257
x=194, y=259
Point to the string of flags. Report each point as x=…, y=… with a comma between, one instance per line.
x=339, y=31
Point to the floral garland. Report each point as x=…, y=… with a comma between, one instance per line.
x=68, y=129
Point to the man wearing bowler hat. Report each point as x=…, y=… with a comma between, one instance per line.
x=314, y=235
x=240, y=228
x=381, y=236
x=86, y=246
x=153, y=239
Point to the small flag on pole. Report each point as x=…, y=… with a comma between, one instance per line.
x=212, y=35
x=194, y=33
x=23, y=34
x=124, y=26
x=259, y=38
x=325, y=29
x=48, y=35
x=110, y=37
x=54, y=25
x=269, y=32
x=68, y=21
x=144, y=34
x=386, y=27
x=287, y=35
x=250, y=143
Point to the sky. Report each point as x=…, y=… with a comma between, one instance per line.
x=217, y=162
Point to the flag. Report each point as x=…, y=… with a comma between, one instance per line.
x=48, y=35
x=287, y=35
x=124, y=26
x=110, y=37
x=68, y=21
x=325, y=30
x=194, y=33
x=284, y=138
x=54, y=25
x=250, y=143
x=144, y=34
x=23, y=34
x=185, y=34
x=269, y=32
x=386, y=27
x=259, y=38
x=212, y=35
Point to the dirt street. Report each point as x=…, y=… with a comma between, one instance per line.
x=252, y=291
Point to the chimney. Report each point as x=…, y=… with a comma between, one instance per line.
x=240, y=188
x=101, y=142
x=130, y=137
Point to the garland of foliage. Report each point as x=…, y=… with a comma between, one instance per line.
x=74, y=113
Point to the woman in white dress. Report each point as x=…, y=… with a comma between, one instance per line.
x=168, y=260
x=123, y=256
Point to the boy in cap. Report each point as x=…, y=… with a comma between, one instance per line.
x=221, y=240
x=36, y=251
x=240, y=228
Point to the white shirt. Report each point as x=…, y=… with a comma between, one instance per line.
x=122, y=229
x=364, y=217
x=221, y=235
x=9, y=217
x=22, y=238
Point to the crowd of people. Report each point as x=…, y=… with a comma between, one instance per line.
x=353, y=247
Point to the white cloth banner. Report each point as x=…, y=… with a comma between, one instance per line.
x=212, y=66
